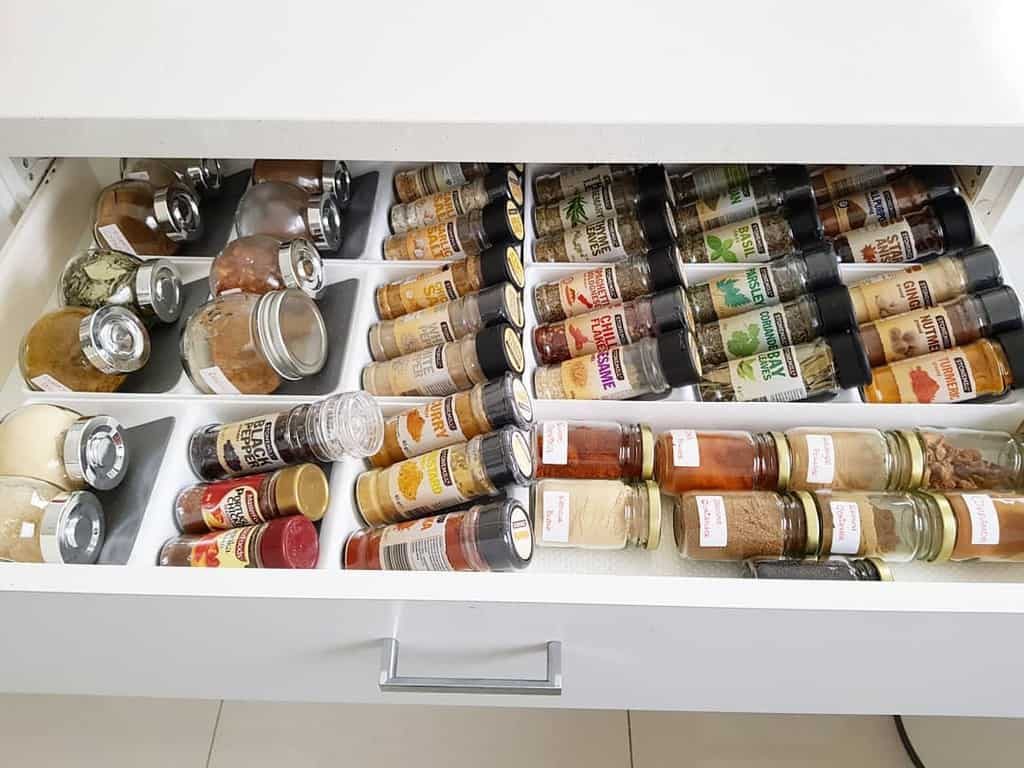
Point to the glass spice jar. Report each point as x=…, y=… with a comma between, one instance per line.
x=137, y=218
x=552, y=187
x=736, y=525
x=502, y=264
x=243, y=343
x=155, y=172
x=833, y=569
x=596, y=514
x=449, y=204
x=707, y=182
x=851, y=459
x=437, y=177
x=40, y=523
x=700, y=460
x=599, y=450
x=454, y=419
x=583, y=292
x=150, y=288
x=836, y=181
x=447, y=322
x=286, y=212
x=260, y=264
x=202, y=176
x=75, y=349
x=252, y=500
x=286, y=542
x=314, y=177
x=497, y=223
x=346, y=424
x=449, y=368
x=628, y=234
x=989, y=526
x=968, y=459
x=444, y=478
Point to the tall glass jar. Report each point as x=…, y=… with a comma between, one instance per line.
x=596, y=514
x=990, y=526
x=150, y=288
x=970, y=459
x=945, y=225
x=599, y=450
x=40, y=523
x=138, y=218
x=436, y=177
x=698, y=460
x=280, y=210
x=765, y=237
x=315, y=177
x=851, y=458
x=449, y=204
x=261, y=263
x=607, y=240
x=551, y=187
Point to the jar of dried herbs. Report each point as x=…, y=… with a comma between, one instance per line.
x=150, y=288
x=628, y=234
x=288, y=213
x=767, y=236
x=40, y=523
x=969, y=459
x=990, y=526
x=601, y=450
x=707, y=182
x=437, y=177
x=315, y=177
x=700, y=460
x=852, y=459
x=137, y=218
x=835, y=181
x=448, y=205
x=552, y=187
x=596, y=514
x=497, y=223
x=945, y=225
x=260, y=264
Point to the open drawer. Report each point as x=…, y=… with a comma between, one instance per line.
x=644, y=630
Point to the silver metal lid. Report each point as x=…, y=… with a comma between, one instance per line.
x=324, y=218
x=205, y=175
x=336, y=179
x=114, y=340
x=95, y=452
x=177, y=211
x=292, y=333
x=301, y=267
x=158, y=289
x=72, y=529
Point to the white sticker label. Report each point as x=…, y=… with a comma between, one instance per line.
x=821, y=459
x=984, y=518
x=556, y=517
x=46, y=383
x=28, y=531
x=137, y=175
x=714, y=530
x=217, y=381
x=115, y=238
x=522, y=537
x=685, y=448
x=556, y=443
x=845, y=527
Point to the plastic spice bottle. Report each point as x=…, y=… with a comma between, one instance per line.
x=851, y=458
x=607, y=240
x=614, y=326
x=990, y=526
x=447, y=322
x=736, y=525
x=485, y=408
x=252, y=500
x=582, y=292
x=596, y=514
x=951, y=324
x=286, y=212
x=650, y=366
x=138, y=218
x=980, y=369
x=63, y=447
x=244, y=343
x=347, y=424
x=438, y=177
x=497, y=223
x=698, y=460
x=287, y=542
x=932, y=282
x=314, y=177
x=601, y=450
x=444, y=478
x=485, y=537
x=707, y=182
x=73, y=349
x=833, y=569
x=150, y=288
x=450, y=204
x=552, y=187
x=945, y=225
x=969, y=459
x=40, y=523
x=260, y=264
x=821, y=367
x=449, y=368
x=502, y=264
x=837, y=181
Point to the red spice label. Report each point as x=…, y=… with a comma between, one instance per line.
x=232, y=503
x=418, y=545
x=876, y=244
x=915, y=334
x=234, y=548
x=601, y=376
x=597, y=331
x=429, y=426
x=585, y=291
x=942, y=377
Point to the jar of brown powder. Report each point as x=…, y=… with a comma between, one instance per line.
x=314, y=177
x=850, y=458
x=990, y=526
x=280, y=210
x=141, y=219
x=261, y=263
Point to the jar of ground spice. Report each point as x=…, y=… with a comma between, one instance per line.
x=851, y=458
x=497, y=223
x=836, y=181
x=246, y=344
x=74, y=349
x=833, y=569
x=707, y=182
x=314, y=177
x=437, y=177
x=156, y=172
x=287, y=542
x=206, y=175
x=607, y=240
x=596, y=514
x=286, y=212
x=701, y=460
x=40, y=523
x=261, y=264
x=149, y=288
x=552, y=187
x=137, y=218
x=448, y=205
x=945, y=225
x=968, y=459
x=602, y=450
x=989, y=526
x=737, y=525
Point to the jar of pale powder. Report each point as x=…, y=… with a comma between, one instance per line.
x=596, y=514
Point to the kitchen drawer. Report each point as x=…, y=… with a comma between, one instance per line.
x=637, y=629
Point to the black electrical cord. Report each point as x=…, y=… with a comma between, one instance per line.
x=905, y=741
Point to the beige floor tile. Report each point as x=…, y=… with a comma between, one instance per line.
x=255, y=735
x=105, y=732
x=958, y=742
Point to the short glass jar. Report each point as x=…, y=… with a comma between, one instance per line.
x=203, y=176
x=261, y=264
x=436, y=177
x=833, y=569
x=149, y=288
x=286, y=212
x=599, y=450
x=702, y=460
x=970, y=459
x=314, y=177
x=990, y=526
x=852, y=459
x=40, y=523
x=596, y=514
x=139, y=218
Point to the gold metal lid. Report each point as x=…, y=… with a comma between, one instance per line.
x=884, y=571
x=785, y=458
x=653, y=515
x=913, y=446
x=949, y=527
x=302, y=490
x=813, y=523
x=646, y=452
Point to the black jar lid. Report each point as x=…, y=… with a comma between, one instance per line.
x=501, y=264
x=502, y=222
x=499, y=350
x=802, y=215
x=657, y=222
x=794, y=182
x=504, y=536
x=836, y=309
x=507, y=402
x=1012, y=343
x=981, y=266
x=822, y=267
x=955, y=220
x=678, y=356
x=1001, y=308
x=938, y=178
x=666, y=265
x=851, y=361
x=504, y=184
x=507, y=457
x=652, y=184
x=501, y=303
x=671, y=311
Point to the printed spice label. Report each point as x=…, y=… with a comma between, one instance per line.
x=768, y=377
x=945, y=377
x=592, y=289
x=742, y=241
x=755, y=332
x=738, y=292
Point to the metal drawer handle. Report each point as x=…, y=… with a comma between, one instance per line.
x=391, y=681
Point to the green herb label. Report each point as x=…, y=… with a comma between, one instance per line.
x=773, y=377
x=599, y=241
x=587, y=205
x=754, y=332
x=739, y=292
x=736, y=203
x=740, y=241
x=713, y=180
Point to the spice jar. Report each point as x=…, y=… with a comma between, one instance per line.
x=628, y=234
x=600, y=450
x=287, y=542
x=502, y=264
x=63, y=447
x=552, y=187
x=444, y=478
x=980, y=369
x=347, y=424
x=150, y=288
x=260, y=264
x=280, y=210
x=314, y=177
x=767, y=236
x=650, y=366
x=246, y=344
x=447, y=205
x=707, y=182
x=596, y=514
x=918, y=286
x=821, y=367
x=850, y=458
x=951, y=324
x=763, y=285
x=449, y=368
x=497, y=223
x=614, y=326
x=895, y=527
x=206, y=175
x=40, y=523
x=799, y=321
x=136, y=217
x=74, y=349
x=603, y=201
x=833, y=569
x=736, y=525
x=252, y=500
x=699, y=460
x=155, y=172
x=583, y=292
x=836, y=181
x=945, y=225
x=989, y=526
x=969, y=459
x=437, y=177
x=447, y=322
x=486, y=407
